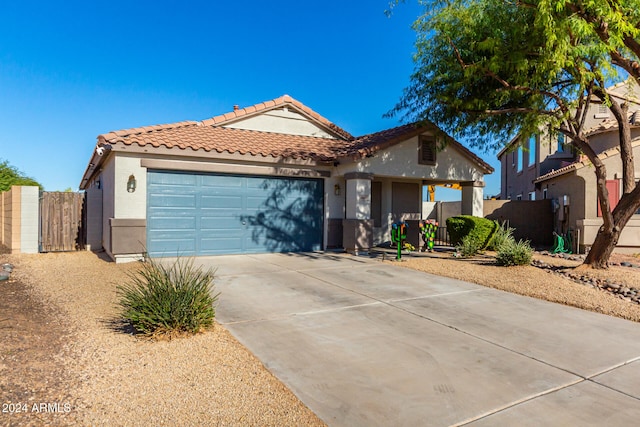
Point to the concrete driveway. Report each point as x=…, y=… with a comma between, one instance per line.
x=364, y=343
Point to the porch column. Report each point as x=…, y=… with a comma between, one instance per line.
x=357, y=227
x=473, y=198
x=358, y=197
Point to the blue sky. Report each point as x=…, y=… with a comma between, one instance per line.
x=72, y=70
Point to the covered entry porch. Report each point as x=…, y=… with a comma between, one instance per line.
x=373, y=203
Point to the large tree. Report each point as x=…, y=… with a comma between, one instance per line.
x=10, y=175
x=489, y=69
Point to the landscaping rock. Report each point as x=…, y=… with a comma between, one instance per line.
x=625, y=293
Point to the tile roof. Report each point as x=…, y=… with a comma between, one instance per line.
x=626, y=90
x=582, y=162
x=197, y=136
x=241, y=113
x=612, y=124
x=212, y=135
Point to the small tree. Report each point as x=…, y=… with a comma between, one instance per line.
x=488, y=69
x=10, y=175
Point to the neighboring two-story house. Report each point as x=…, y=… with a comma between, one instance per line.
x=545, y=166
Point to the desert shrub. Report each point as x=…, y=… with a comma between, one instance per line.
x=469, y=246
x=502, y=236
x=167, y=301
x=482, y=229
x=514, y=253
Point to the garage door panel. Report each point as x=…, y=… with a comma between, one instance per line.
x=213, y=223
x=173, y=246
x=223, y=182
x=232, y=214
x=173, y=180
x=221, y=202
x=172, y=223
x=220, y=245
x=172, y=200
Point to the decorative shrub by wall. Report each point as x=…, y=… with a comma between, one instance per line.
x=481, y=229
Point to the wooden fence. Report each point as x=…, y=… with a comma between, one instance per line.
x=61, y=222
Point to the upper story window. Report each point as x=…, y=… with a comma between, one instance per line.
x=428, y=149
x=532, y=150
x=561, y=142
x=519, y=160
x=602, y=112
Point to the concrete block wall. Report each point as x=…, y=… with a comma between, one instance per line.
x=19, y=214
x=29, y=216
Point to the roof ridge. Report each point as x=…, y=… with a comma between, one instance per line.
x=271, y=104
x=583, y=161
x=612, y=123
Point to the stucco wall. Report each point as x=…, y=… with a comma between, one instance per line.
x=281, y=121
x=569, y=188
x=629, y=241
x=582, y=211
x=514, y=182
x=129, y=205
x=10, y=218
x=401, y=160
x=94, y=218
x=29, y=216
x=608, y=140
x=107, y=180
x=19, y=215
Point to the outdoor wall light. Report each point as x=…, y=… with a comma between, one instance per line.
x=336, y=189
x=131, y=184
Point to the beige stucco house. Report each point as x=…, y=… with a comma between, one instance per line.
x=275, y=176
x=546, y=167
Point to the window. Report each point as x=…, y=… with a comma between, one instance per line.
x=532, y=150
x=519, y=197
x=532, y=195
x=519, y=154
x=427, y=154
x=561, y=142
x=544, y=194
x=602, y=112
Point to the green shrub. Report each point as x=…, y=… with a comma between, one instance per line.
x=503, y=235
x=482, y=229
x=469, y=246
x=167, y=301
x=514, y=253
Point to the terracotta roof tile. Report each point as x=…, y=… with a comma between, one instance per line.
x=582, y=162
x=275, y=103
x=209, y=135
x=221, y=139
x=612, y=124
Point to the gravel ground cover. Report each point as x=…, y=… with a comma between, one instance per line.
x=551, y=284
x=62, y=347
x=106, y=376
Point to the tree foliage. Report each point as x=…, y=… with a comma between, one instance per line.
x=487, y=70
x=10, y=175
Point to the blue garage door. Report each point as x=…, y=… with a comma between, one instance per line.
x=211, y=214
